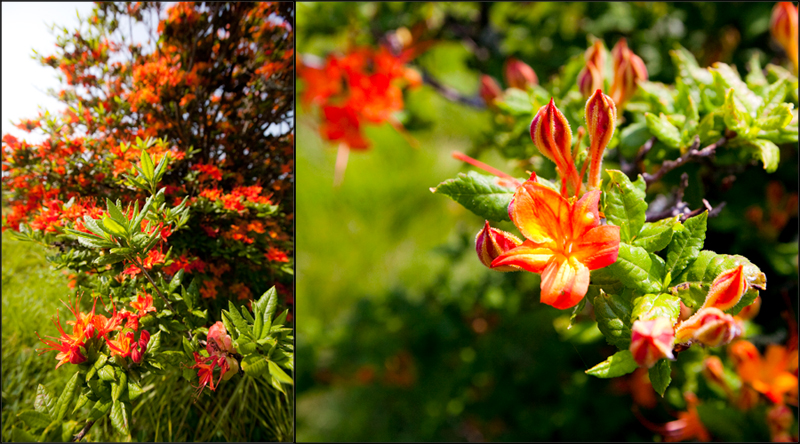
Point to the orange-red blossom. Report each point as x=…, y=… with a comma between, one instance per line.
x=774, y=375
x=652, y=341
x=783, y=26
x=564, y=241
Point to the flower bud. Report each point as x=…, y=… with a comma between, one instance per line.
x=709, y=326
x=713, y=372
x=491, y=243
x=144, y=339
x=233, y=368
x=601, y=116
x=783, y=27
x=685, y=313
x=90, y=331
x=629, y=70
x=727, y=289
x=552, y=136
x=651, y=341
x=136, y=354
x=519, y=75
x=76, y=357
x=596, y=55
x=590, y=79
x=779, y=420
x=489, y=90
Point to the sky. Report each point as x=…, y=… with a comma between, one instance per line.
x=26, y=26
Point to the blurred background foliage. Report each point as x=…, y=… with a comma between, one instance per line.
x=402, y=334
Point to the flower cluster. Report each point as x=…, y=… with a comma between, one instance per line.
x=220, y=354
x=628, y=71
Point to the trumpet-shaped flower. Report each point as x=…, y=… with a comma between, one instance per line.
x=770, y=375
x=783, y=26
x=143, y=304
x=564, y=241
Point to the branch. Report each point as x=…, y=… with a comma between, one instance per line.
x=631, y=168
x=83, y=431
x=692, y=154
x=681, y=208
x=451, y=94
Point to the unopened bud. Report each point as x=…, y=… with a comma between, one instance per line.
x=596, y=55
x=601, y=116
x=727, y=289
x=90, y=331
x=233, y=368
x=783, y=27
x=136, y=354
x=144, y=339
x=519, y=75
x=629, y=70
x=552, y=136
x=491, y=243
x=713, y=371
x=709, y=326
x=779, y=420
x=685, y=313
x=651, y=341
x=489, y=90
x=76, y=357
x=590, y=79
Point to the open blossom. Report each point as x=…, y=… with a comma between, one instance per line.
x=69, y=346
x=773, y=375
x=652, y=341
x=783, y=26
x=564, y=241
x=143, y=304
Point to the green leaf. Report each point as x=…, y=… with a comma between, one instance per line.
x=34, y=419
x=279, y=374
x=635, y=268
x=515, y=102
x=99, y=363
x=134, y=390
x=94, y=226
x=651, y=306
x=100, y=408
x=254, y=365
x=176, y=281
x=775, y=117
x=686, y=243
x=246, y=315
x=119, y=387
x=19, y=435
x=106, y=373
x=726, y=80
x=624, y=204
x=112, y=227
x=238, y=320
x=100, y=389
x=147, y=166
x=226, y=320
x=116, y=214
x=613, y=314
x=63, y=402
x=768, y=153
x=155, y=344
x=660, y=376
x=44, y=400
x=481, y=194
x=665, y=131
x=192, y=296
x=187, y=348
x=120, y=416
x=108, y=259
x=656, y=236
x=83, y=399
x=618, y=364
x=735, y=115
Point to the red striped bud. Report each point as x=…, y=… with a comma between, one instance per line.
x=137, y=354
x=783, y=27
x=651, y=341
x=727, y=289
x=491, y=243
x=552, y=135
x=489, y=90
x=144, y=339
x=709, y=326
x=519, y=75
x=629, y=70
x=601, y=117
x=590, y=79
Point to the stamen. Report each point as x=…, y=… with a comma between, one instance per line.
x=476, y=163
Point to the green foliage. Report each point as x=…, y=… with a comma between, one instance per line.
x=660, y=376
x=618, y=364
x=479, y=193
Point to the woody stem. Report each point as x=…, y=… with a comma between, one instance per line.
x=83, y=431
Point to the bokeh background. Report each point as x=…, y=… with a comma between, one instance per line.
x=402, y=334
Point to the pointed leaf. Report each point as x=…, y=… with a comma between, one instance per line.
x=636, y=269
x=116, y=214
x=279, y=374
x=238, y=320
x=254, y=365
x=665, y=131
x=651, y=306
x=660, y=376
x=34, y=419
x=624, y=204
x=686, y=244
x=147, y=165
x=120, y=416
x=768, y=153
x=63, y=402
x=44, y=400
x=656, y=236
x=613, y=315
x=618, y=364
x=482, y=194
x=100, y=408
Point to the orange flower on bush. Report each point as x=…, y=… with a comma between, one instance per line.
x=276, y=255
x=564, y=241
x=143, y=304
x=769, y=375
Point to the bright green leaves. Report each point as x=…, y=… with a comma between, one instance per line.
x=651, y=306
x=638, y=269
x=99, y=409
x=482, y=194
x=664, y=130
x=657, y=235
x=49, y=413
x=624, y=204
x=613, y=314
x=120, y=416
x=149, y=175
x=687, y=241
x=618, y=364
x=63, y=402
x=44, y=400
x=767, y=152
x=34, y=419
x=660, y=376
x=146, y=165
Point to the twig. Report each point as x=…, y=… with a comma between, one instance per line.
x=692, y=154
x=681, y=208
x=451, y=94
x=631, y=168
x=83, y=431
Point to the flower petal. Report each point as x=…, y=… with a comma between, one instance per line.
x=529, y=256
x=584, y=215
x=564, y=283
x=539, y=212
x=598, y=247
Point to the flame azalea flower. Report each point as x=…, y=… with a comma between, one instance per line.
x=687, y=427
x=652, y=341
x=205, y=370
x=122, y=345
x=69, y=346
x=769, y=375
x=564, y=241
x=143, y=304
x=709, y=326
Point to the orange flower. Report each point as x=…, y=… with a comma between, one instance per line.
x=769, y=375
x=143, y=304
x=652, y=341
x=121, y=346
x=564, y=241
x=783, y=26
x=276, y=255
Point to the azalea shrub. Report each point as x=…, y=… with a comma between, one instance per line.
x=624, y=183
x=166, y=186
